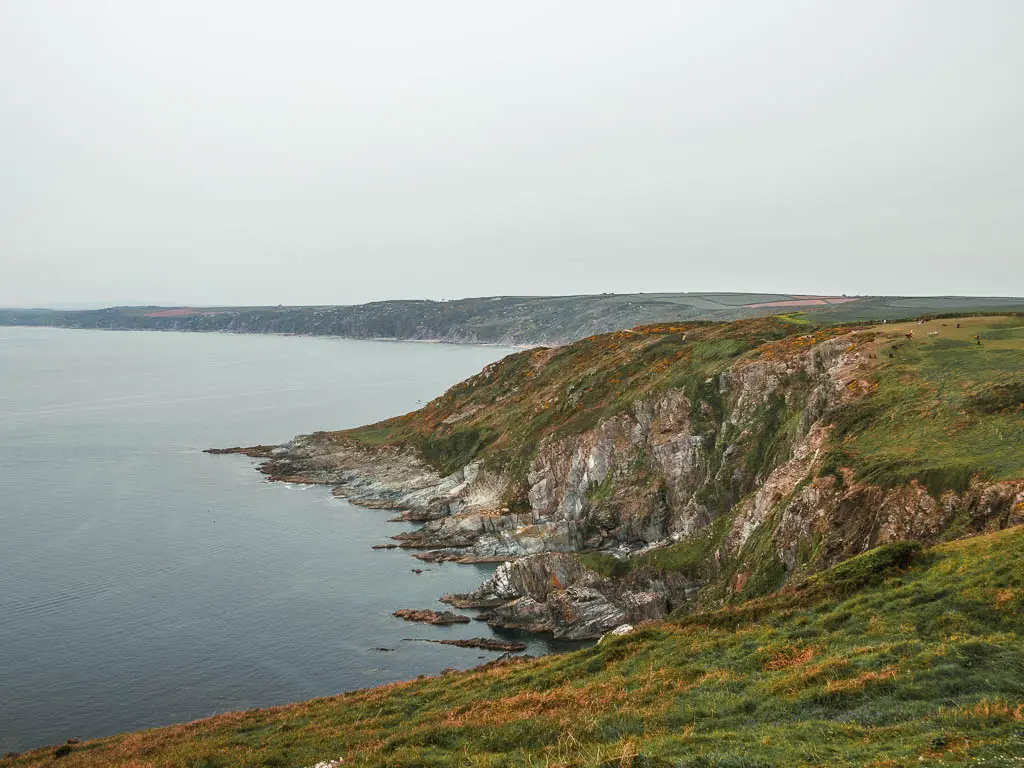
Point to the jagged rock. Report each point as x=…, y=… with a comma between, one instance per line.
x=428, y=616
x=468, y=601
x=438, y=556
x=554, y=593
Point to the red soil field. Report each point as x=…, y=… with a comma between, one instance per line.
x=178, y=312
x=805, y=301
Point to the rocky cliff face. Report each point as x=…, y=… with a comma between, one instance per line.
x=694, y=492
x=556, y=593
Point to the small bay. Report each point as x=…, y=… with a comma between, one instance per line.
x=143, y=582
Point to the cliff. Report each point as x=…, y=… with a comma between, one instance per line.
x=676, y=467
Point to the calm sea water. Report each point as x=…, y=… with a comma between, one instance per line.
x=143, y=582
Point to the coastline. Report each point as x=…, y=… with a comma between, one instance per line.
x=540, y=586
x=177, y=542
x=387, y=339
x=440, y=548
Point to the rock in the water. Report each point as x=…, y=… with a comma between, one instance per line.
x=487, y=643
x=428, y=616
x=438, y=556
x=254, y=451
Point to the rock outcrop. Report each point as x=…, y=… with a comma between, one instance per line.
x=427, y=616
x=555, y=593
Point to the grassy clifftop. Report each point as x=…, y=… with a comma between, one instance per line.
x=896, y=658
x=947, y=406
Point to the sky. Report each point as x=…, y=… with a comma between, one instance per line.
x=335, y=152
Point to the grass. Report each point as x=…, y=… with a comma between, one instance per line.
x=895, y=658
x=945, y=410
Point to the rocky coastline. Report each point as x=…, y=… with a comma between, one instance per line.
x=727, y=479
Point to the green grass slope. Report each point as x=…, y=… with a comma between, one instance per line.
x=895, y=658
x=946, y=407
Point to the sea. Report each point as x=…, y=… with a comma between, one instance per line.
x=143, y=582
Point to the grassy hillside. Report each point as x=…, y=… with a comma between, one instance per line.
x=947, y=407
x=895, y=658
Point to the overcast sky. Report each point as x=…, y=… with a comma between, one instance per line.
x=326, y=151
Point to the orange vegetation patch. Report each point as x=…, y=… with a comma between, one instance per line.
x=564, y=703
x=994, y=709
x=860, y=682
x=792, y=346
x=789, y=657
x=1003, y=596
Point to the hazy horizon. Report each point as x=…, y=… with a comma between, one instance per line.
x=87, y=305
x=323, y=153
